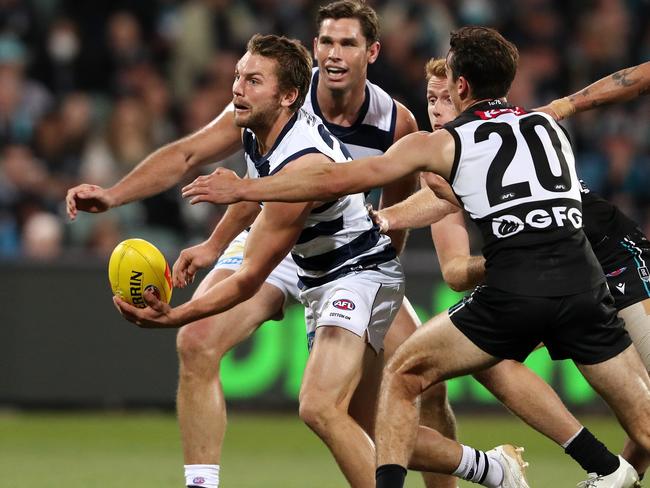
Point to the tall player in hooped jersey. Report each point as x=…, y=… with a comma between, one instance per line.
x=514, y=173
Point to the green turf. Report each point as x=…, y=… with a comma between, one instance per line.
x=143, y=451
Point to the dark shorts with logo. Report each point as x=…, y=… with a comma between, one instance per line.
x=583, y=327
x=626, y=263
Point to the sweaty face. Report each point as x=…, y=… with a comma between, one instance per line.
x=341, y=52
x=256, y=95
x=441, y=109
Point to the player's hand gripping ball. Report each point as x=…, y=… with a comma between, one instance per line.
x=135, y=266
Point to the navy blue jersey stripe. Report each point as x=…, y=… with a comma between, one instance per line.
x=363, y=111
x=251, y=147
x=363, y=135
x=364, y=263
x=328, y=228
x=293, y=157
x=340, y=255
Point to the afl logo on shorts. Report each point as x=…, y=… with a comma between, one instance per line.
x=343, y=304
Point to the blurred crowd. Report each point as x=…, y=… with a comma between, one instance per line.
x=88, y=89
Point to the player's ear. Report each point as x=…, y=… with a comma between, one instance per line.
x=464, y=88
x=315, y=45
x=289, y=97
x=373, y=52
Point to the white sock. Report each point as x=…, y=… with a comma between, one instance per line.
x=477, y=467
x=202, y=475
x=566, y=444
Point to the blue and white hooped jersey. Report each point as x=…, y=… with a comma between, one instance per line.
x=374, y=130
x=339, y=237
x=371, y=134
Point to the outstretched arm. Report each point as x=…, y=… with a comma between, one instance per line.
x=162, y=169
x=624, y=85
x=318, y=178
x=237, y=217
x=283, y=221
x=419, y=210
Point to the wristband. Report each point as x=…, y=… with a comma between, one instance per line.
x=563, y=107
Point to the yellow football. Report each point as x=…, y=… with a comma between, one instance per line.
x=135, y=266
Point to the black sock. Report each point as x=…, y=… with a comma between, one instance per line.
x=390, y=476
x=592, y=454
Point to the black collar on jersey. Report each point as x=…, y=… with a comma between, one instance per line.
x=335, y=128
x=250, y=146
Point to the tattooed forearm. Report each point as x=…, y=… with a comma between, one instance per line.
x=621, y=77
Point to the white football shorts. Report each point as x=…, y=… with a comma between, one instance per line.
x=284, y=276
x=365, y=303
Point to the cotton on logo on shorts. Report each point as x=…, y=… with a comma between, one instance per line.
x=198, y=480
x=344, y=304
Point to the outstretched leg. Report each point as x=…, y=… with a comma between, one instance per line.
x=435, y=352
x=435, y=411
x=637, y=323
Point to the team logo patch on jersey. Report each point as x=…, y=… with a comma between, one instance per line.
x=539, y=218
x=507, y=225
x=617, y=272
x=198, y=480
x=344, y=304
x=644, y=274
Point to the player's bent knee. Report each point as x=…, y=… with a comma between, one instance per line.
x=195, y=346
x=317, y=411
x=398, y=382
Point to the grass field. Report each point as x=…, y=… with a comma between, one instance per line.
x=270, y=451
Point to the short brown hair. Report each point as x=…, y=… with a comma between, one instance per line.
x=294, y=63
x=352, y=9
x=485, y=59
x=435, y=67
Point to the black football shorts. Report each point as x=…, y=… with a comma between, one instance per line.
x=626, y=265
x=583, y=327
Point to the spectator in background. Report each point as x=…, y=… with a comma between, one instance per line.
x=22, y=101
x=58, y=64
x=17, y=18
x=126, y=49
x=42, y=237
x=203, y=29
x=62, y=137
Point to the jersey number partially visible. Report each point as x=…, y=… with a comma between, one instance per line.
x=498, y=192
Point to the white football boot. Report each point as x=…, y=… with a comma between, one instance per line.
x=514, y=466
x=624, y=477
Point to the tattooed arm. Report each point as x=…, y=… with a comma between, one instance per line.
x=624, y=85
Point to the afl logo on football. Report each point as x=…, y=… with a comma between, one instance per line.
x=344, y=304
